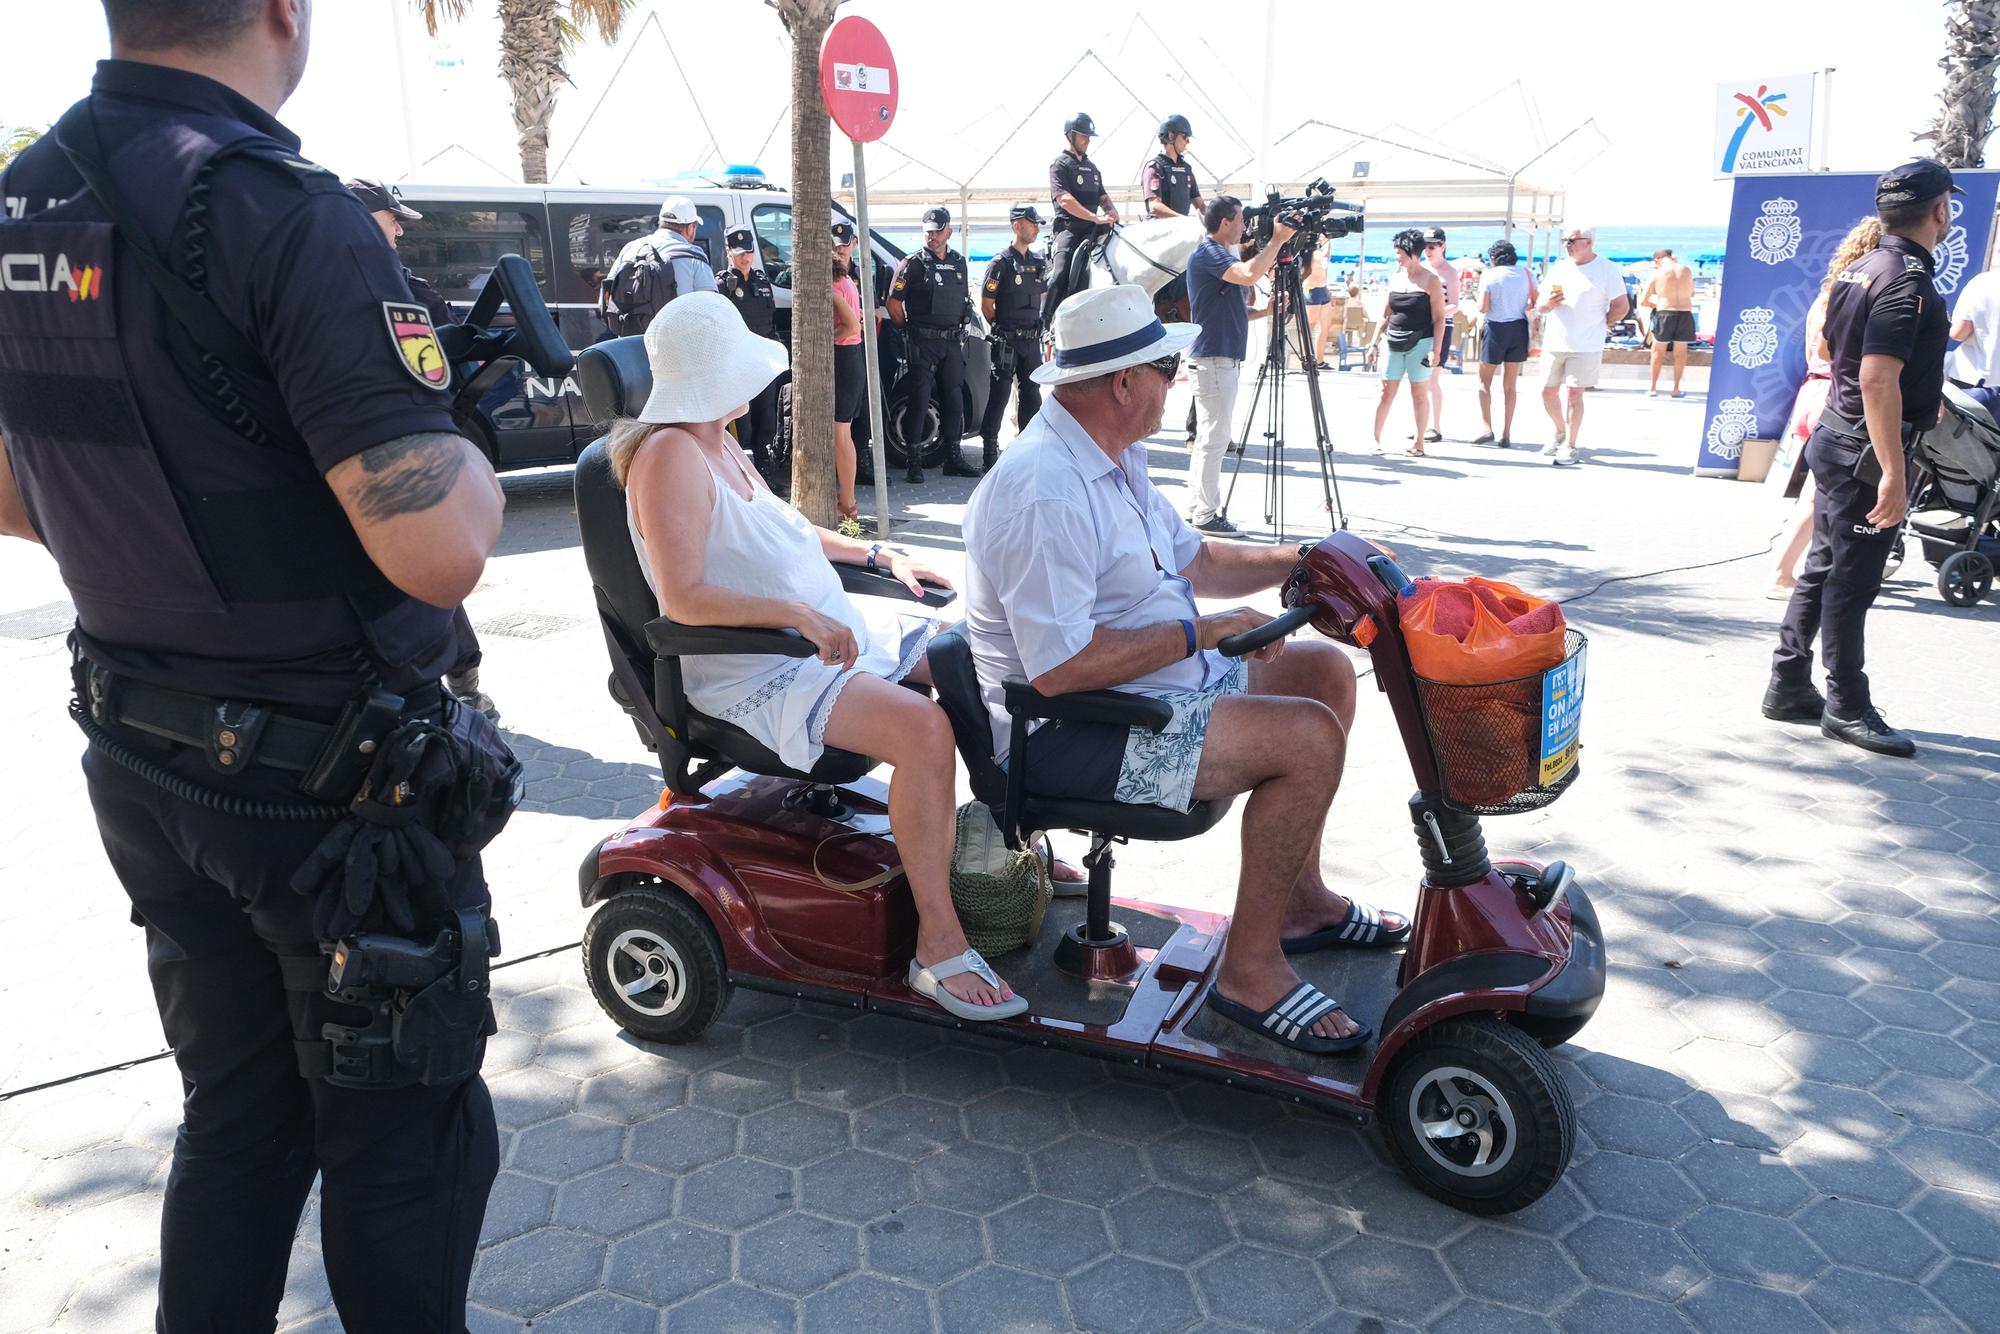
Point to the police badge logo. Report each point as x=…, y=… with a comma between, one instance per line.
x=416, y=341
x=1775, y=237
x=1952, y=254
x=1754, y=340
x=1735, y=421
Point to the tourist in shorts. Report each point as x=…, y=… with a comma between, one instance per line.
x=1505, y=295
x=1412, y=329
x=1669, y=294
x=1582, y=297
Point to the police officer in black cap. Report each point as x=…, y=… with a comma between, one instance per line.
x=1076, y=188
x=1011, y=302
x=1887, y=328
x=929, y=300
x=1169, y=182
x=221, y=411
x=385, y=202
x=746, y=285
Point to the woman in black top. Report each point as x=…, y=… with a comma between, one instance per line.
x=1411, y=327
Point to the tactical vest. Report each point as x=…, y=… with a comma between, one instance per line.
x=198, y=528
x=934, y=297
x=1023, y=280
x=1080, y=177
x=754, y=299
x=1175, y=183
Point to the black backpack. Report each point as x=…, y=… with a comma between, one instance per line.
x=640, y=288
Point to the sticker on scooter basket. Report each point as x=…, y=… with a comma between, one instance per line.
x=1562, y=717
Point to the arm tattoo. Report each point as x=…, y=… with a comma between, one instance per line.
x=408, y=475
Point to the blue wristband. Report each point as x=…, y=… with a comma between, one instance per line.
x=874, y=554
x=1187, y=628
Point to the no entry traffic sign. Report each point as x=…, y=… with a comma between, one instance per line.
x=857, y=75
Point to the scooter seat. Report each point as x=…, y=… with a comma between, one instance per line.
x=744, y=751
x=1118, y=819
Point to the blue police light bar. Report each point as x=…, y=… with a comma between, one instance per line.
x=738, y=174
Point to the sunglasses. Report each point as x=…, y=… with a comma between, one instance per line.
x=1167, y=366
x=1575, y=240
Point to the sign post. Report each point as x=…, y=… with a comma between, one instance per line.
x=857, y=76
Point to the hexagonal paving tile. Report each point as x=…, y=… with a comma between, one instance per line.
x=1388, y=1278
x=1048, y=1236
x=1600, y=1309
x=1262, y=1288
x=740, y=1086
x=972, y=1178
x=993, y=1300
x=1291, y=1215
x=735, y=1192
x=1756, y=1247
x=793, y=1134
x=923, y=1244
x=668, y=1261
x=954, y=1074
x=683, y=1139
x=1200, y=1161
x=1856, y=1303
x=1489, y=1262
x=1729, y=1174
x=1161, y=1223
x=1016, y=1118
x=1723, y=1304
x=1712, y=1063
x=1968, y=1224
x=856, y=1185
x=1124, y=1295
x=907, y=1127
x=1642, y=1188
x=1634, y=1257
x=538, y=1271
x=563, y=1148
x=1051, y=1070
x=1135, y=1112
x=1867, y=1236
x=791, y=1038
x=619, y=1199
x=847, y=1080
x=1087, y=1169
x=734, y=1308
x=1951, y=1160
x=1969, y=1291
x=1841, y=1166
x=866, y=1304
x=600, y=1313
x=517, y=1204
x=797, y=1253
x=1633, y=1126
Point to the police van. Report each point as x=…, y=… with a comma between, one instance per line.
x=571, y=236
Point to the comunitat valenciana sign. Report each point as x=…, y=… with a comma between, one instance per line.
x=1763, y=126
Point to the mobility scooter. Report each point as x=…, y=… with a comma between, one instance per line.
x=751, y=874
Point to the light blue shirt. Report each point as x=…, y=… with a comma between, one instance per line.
x=1060, y=540
x=1506, y=291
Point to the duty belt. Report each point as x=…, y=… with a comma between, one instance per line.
x=1843, y=425
x=924, y=331
x=1018, y=330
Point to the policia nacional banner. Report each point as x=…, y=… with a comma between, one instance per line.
x=1782, y=232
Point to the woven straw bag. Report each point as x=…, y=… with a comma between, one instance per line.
x=1000, y=893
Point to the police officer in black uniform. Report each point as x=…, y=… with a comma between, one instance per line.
x=1076, y=188
x=746, y=285
x=1887, y=328
x=1169, y=182
x=385, y=202
x=929, y=300
x=219, y=410
x=1011, y=301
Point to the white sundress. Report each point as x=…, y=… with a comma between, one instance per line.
x=762, y=547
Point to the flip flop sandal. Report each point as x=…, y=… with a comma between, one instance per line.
x=1290, y=1021
x=1362, y=928
x=929, y=983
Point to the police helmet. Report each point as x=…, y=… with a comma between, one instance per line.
x=1501, y=254
x=937, y=219
x=843, y=232
x=740, y=242
x=1024, y=213
x=1433, y=236
x=1081, y=123
x=1175, y=124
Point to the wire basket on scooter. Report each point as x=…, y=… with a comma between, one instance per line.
x=1508, y=746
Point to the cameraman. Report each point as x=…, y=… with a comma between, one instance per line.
x=1218, y=294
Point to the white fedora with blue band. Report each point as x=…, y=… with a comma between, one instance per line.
x=1106, y=329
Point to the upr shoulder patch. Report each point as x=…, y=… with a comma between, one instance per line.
x=415, y=338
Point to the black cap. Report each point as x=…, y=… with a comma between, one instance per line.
x=843, y=232
x=1433, y=236
x=739, y=241
x=1024, y=213
x=937, y=219
x=1914, y=182
x=379, y=198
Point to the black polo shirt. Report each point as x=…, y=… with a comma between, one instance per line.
x=1886, y=304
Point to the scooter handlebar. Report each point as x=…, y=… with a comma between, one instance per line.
x=1235, y=646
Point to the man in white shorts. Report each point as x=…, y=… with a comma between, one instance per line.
x=1582, y=297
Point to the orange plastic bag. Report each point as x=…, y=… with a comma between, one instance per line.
x=1479, y=632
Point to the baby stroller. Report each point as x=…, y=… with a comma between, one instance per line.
x=1954, y=491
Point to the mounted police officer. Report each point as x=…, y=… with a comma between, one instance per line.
x=220, y=410
x=1886, y=326
x=1169, y=182
x=746, y=285
x=653, y=270
x=1076, y=188
x=929, y=300
x=1011, y=301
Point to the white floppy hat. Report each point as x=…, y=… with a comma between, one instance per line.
x=705, y=360
x=1106, y=329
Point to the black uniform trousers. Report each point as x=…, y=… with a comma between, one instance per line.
x=757, y=429
x=1027, y=348
x=404, y=1172
x=1843, y=573
x=937, y=366
x=1061, y=247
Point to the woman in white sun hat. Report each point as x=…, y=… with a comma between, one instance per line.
x=719, y=548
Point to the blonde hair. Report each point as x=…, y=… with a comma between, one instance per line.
x=1865, y=236
x=622, y=442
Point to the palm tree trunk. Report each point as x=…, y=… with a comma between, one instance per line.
x=531, y=62
x=1965, y=106
x=813, y=488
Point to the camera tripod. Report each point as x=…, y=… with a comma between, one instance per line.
x=1288, y=320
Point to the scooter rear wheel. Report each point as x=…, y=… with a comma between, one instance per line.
x=1478, y=1116
x=654, y=965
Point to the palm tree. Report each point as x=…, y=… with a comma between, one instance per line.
x=536, y=37
x=812, y=264
x=14, y=140
x=1965, y=106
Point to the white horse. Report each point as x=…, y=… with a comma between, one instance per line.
x=1151, y=253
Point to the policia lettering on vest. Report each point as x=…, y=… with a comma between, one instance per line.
x=242, y=389
x=1011, y=301
x=1082, y=209
x=929, y=300
x=1887, y=328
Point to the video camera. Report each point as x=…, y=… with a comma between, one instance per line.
x=1312, y=215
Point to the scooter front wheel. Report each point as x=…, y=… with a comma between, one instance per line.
x=1478, y=1116
x=654, y=965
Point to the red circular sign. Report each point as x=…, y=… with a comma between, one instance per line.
x=857, y=76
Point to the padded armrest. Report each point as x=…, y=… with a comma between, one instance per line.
x=881, y=584
x=672, y=640
x=1088, y=706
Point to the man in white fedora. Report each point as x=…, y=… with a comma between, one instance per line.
x=1080, y=576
